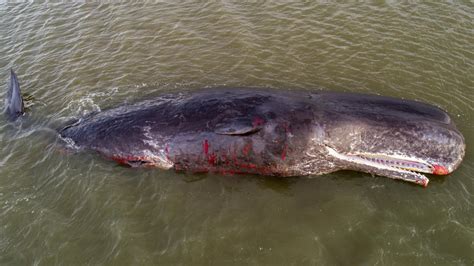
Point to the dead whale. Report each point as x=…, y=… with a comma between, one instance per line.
x=271, y=132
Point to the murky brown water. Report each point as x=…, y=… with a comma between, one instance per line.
x=59, y=208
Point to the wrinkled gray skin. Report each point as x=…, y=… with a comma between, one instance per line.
x=281, y=133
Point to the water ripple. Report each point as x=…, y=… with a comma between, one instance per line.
x=76, y=58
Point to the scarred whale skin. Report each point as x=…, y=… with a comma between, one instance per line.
x=269, y=132
x=273, y=132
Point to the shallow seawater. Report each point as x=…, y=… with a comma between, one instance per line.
x=64, y=208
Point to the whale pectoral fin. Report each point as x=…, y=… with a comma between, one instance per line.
x=231, y=130
x=237, y=127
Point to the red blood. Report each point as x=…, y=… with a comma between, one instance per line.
x=234, y=157
x=440, y=170
x=283, y=153
x=247, y=149
x=120, y=160
x=248, y=165
x=212, y=159
x=225, y=159
x=424, y=183
x=257, y=121
x=205, y=147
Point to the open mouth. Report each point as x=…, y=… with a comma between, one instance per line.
x=392, y=166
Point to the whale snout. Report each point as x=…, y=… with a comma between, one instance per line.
x=453, y=161
x=446, y=148
x=440, y=170
x=395, y=138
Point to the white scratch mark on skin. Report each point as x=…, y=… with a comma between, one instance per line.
x=159, y=154
x=70, y=143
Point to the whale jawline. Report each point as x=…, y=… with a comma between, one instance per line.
x=392, y=166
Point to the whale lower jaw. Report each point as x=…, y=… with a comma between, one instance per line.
x=392, y=166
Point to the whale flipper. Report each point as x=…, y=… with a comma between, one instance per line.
x=239, y=126
x=14, y=107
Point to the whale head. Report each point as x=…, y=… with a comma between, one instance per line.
x=390, y=137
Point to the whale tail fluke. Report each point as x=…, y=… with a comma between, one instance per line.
x=14, y=106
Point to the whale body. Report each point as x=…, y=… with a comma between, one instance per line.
x=275, y=132
x=280, y=133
